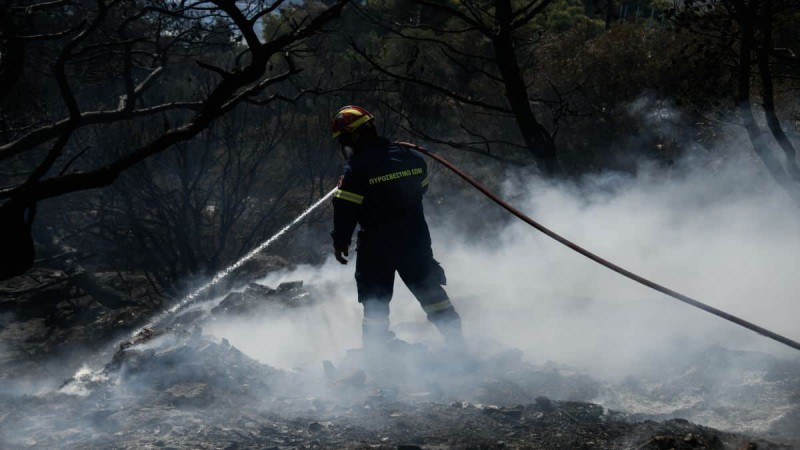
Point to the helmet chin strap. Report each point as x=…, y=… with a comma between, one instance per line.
x=347, y=145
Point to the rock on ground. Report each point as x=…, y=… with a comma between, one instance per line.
x=177, y=388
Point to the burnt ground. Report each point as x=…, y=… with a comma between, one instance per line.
x=178, y=389
x=175, y=387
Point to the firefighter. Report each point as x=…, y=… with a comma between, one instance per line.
x=381, y=189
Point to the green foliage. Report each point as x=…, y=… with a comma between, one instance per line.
x=564, y=15
x=632, y=64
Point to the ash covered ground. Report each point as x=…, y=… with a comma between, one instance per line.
x=182, y=385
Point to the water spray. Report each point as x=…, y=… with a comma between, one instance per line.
x=87, y=376
x=228, y=270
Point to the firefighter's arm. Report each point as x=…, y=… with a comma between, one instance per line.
x=346, y=203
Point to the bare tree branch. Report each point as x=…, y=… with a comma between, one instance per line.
x=46, y=133
x=481, y=27
x=275, y=5
x=219, y=71
x=429, y=85
x=72, y=160
x=44, y=5
x=466, y=146
x=221, y=100
x=398, y=32
x=527, y=13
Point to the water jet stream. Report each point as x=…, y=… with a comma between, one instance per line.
x=227, y=271
x=85, y=374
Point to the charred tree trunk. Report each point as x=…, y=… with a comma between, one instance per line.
x=234, y=87
x=538, y=140
x=746, y=15
x=16, y=242
x=768, y=93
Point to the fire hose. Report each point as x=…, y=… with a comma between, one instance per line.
x=624, y=272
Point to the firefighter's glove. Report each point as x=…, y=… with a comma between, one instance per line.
x=338, y=252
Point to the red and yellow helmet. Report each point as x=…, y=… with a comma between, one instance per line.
x=349, y=118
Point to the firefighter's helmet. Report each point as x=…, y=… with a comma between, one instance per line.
x=350, y=118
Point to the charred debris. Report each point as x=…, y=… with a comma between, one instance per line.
x=173, y=386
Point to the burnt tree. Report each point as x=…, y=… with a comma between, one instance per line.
x=490, y=40
x=746, y=27
x=112, y=62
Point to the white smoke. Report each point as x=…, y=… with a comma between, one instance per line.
x=307, y=336
x=733, y=248
x=716, y=231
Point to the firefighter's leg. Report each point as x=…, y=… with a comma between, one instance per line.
x=424, y=278
x=375, y=281
x=443, y=315
x=375, y=324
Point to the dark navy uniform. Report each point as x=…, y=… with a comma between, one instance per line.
x=381, y=190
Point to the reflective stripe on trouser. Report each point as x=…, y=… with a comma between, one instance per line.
x=378, y=259
x=438, y=306
x=444, y=316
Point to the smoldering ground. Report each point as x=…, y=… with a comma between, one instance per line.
x=540, y=320
x=716, y=230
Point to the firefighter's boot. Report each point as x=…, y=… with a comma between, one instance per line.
x=448, y=322
x=375, y=325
